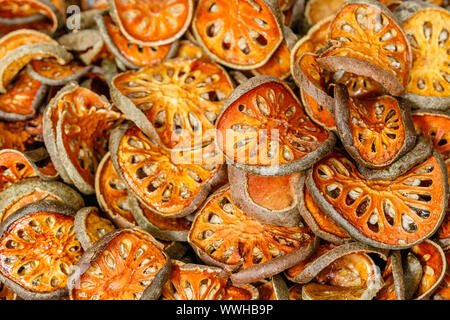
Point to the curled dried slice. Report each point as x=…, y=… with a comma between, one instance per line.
x=171, y=184
x=313, y=84
x=322, y=225
x=434, y=266
x=175, y=103
x=443, y=292
x=368, y=32
x=359, y=87
x=132, y=55
x=112, y=194
x=33, y=190
x=90, y=226
x=88, y=44
x=270, y=200
x=84, y=115
x=317, y=10
x=22, y=98
x=223, y=235
x=152, y=22
x=385, y=214
x=126, y=264
x=24, y=136
x=427, y=28
x=50, y=72
x=412, y=274
x=375, y=132
x=263, y=130
x=199, y=282
x=238, y=34
x=273, y=288
x=394, y=284
x=38, y=248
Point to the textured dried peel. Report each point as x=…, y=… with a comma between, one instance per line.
x=238, y=34
x=386, y=214
x=172, y=184
x=87, y=43
x=376, y=132
x=50, y=72
x=223, y=235
x=367, y=31
x=394, y=283
x=123, y=265
x=90, y=226
x=263, y=130
x=152, y=22
x=199, y=282
x=435, y=125
x=176, y=102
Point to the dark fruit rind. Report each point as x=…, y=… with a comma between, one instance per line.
x=315, y=267
x=58, y=82
x=81, y=226
x=152, y=291
x=311, y=221
x=55, y=189
x=397, y=273
x=279, y=169
x=176, y=250
x=49, y=206
x=343, y=119
x=419, y=153
x=88, y=43
x=412, y=274
x=288, y=216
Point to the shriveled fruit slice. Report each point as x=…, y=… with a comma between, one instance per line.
x=22, y=98
x=322, y=225
x=270, y=200
x=152, y=22
x=189, y=50
x=427, y=29
x=317, y=10
x=434, y=266
x=112, y=194
x=263, y=130
x=412, y=274
x=87, y=43
x=385, y=214
x=199, y=282
x=14, y=60
x=375, y=132
x=168, y=229
x=368, y=32
x=33, y=190
x=6, y=294
x=24, y=136
x=223, y=235
x=126, y=264
x=90, y=226
x=132, y=55
x=278, y=65
x=38, y=248
x=443, y=292
x=358, y=87
x=238, y=34
x=176, y=102
x=171, y=184
x=89, y=115
x=435, y=125
x=394, y=284
x=312, y=81
x=274, y=288
x=50, y=72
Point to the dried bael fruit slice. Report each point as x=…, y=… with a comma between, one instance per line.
x=33, y=190
x=317, y=10
x=199, y=282
x=89, y=115
x=24, y=136
x=171, y=184
x=238, y=34
x=223, y=235
x=270, y=200
x=273, y=288
x=368, y=32
x=375, y=132
x=6, y=294
x=93, y=4
x=412, y=274
x=434, y=266
x=132, y=55
x=313, y=84
x=295, y=292
x=38, y=248
x=189, y=50
x=394, y=284
x=50, y=72
x=22, y=98
x=176, y=102
x=263, y=130
x=443, y=292
x=90, y=226
x=152, y=22
x=112, y=194
x=126, y=264
x=443, y=234
x=427, y=29
x=87, y=43
x=322, y=225
x=278, y=65
x=385, y=214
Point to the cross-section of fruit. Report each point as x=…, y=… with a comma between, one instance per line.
x=49, y=71
x=90, y=226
